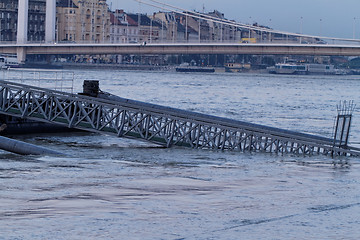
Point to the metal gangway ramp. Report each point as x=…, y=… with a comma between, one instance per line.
x=157, y=124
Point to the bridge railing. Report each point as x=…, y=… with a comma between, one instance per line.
x=262, y=40
x=258, y=38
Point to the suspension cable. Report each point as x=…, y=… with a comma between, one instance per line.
x=232, y=23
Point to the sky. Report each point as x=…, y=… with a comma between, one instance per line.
x=331, y=18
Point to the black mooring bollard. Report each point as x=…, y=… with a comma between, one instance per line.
x=91, y=88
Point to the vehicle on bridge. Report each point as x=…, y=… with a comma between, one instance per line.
x=9, y=61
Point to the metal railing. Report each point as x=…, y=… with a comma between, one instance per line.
x=157, y=124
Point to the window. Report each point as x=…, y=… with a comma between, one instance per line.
x=301, y=68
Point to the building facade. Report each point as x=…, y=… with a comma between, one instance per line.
x=148, y=29
x=83, y=21
x=8, y=20
x=9, y=16
x=122, y=28
x=66, y=20
x=36, y=22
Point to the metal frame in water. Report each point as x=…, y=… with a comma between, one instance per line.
x=343, y=123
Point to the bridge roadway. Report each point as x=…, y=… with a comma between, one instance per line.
x=157, y=124
x=182, y=48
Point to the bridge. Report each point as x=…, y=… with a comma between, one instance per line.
x=50, y=47
x=181, y=48
x=105, y=113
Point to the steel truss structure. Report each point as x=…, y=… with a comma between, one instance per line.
x=157, y=124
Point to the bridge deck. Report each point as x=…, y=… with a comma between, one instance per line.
x=183, y=48
x=158, y=124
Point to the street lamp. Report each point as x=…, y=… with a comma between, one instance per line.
x=270, y=28
x=150, y=37
x=199, y=29
x=127, y=30
x=354, y=23
x=221, y=32
x=301, y=28
x=186, y=29
x=249, y=29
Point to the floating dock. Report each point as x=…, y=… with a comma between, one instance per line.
x=95, y=111
x=193, y=69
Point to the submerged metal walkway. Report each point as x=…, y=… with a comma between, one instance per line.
x=157, y=124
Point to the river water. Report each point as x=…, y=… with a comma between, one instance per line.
x=111, y=188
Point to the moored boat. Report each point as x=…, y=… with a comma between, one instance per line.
x=237, y=67
x=291, y=68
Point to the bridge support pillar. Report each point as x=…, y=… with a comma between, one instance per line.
x=21, y=54
x=22, y=27
x=50, y=21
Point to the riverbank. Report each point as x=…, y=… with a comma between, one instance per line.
x=115, y=66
